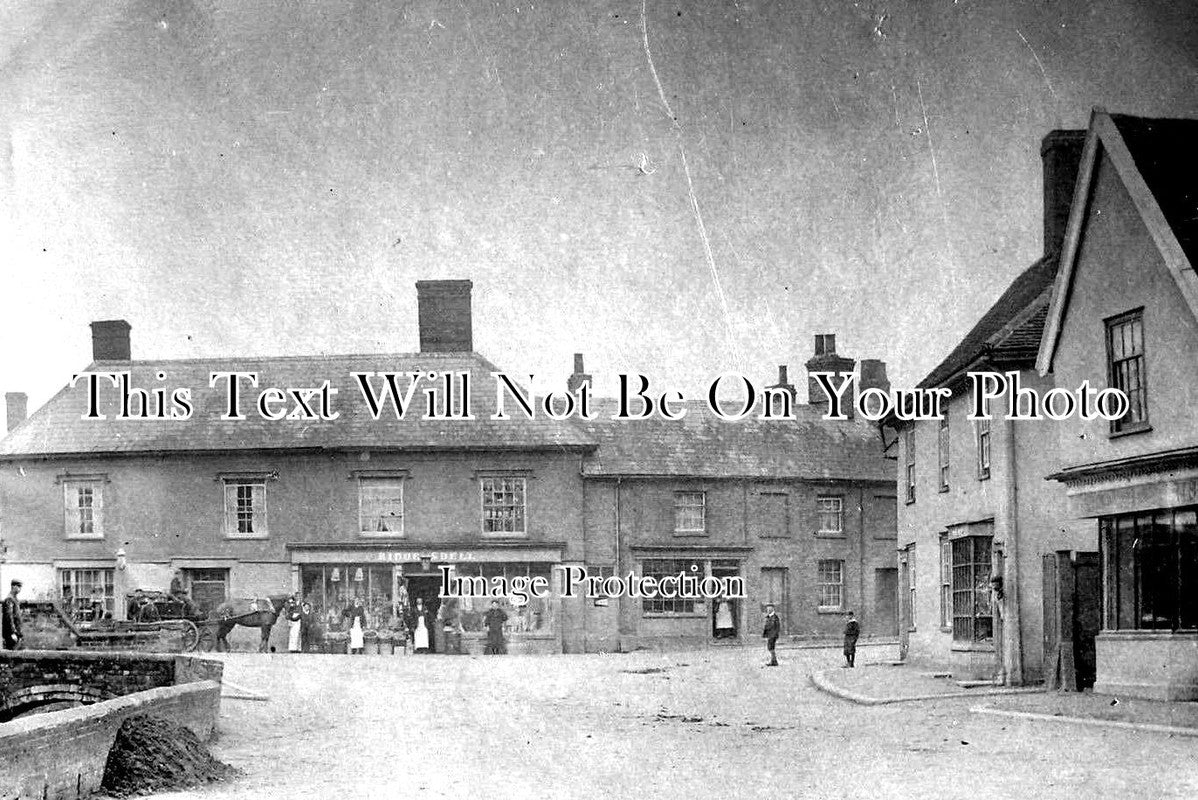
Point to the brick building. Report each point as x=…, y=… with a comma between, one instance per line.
x=355, y=506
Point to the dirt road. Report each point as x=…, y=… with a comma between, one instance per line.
x=705, y=724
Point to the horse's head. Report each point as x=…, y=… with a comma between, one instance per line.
x=278, y=603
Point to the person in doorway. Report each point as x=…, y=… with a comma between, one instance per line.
x=450, y=624
x=355, y=617
x=494, y=620
x=10, y=618
x=308, y=622
x=332, y=618
x=852, y=630
x=724, y=629
x=295, y=629
x=771, y=632
x=419, y=626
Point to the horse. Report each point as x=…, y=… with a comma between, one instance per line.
x=261, y=613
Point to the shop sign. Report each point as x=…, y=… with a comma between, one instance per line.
x=401, y=557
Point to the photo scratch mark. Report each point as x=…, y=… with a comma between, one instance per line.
x=1039, y=65
x=690, y=185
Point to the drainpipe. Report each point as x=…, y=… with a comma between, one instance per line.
x=617, y=570
x=1012, y=645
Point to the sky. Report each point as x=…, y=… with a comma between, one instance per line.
x=674, y=188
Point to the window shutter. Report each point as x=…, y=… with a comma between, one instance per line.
x=230, y=509
x=98, y=511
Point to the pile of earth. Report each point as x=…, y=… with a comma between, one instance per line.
x=153, y=755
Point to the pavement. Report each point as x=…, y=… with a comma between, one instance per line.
x=710, y=723
x=886, y=682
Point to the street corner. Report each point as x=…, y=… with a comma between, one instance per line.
x=883, y=682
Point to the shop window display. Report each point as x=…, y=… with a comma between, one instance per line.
x=531, y=616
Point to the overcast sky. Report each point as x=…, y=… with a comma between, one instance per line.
x=241, y=178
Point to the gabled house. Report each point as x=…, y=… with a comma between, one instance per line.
x=1124, y=313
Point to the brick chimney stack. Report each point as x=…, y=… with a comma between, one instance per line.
x=872, y=375
x=1061, y=155
x=110, y=340
x=17, y=408
x=824, y=360
x=580, y=377
x=779, y=404
x=443, y=311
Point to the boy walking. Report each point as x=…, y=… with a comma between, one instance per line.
x=852, y=630
x=773, y=628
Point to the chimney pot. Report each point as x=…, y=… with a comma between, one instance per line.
x=110, y=340
x=1060, y=155
x=17, y=408
x=825, y=360
x=782, y=375
x=444, y=316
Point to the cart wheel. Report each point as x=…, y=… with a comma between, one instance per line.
x=189, y=633
x=207, y=641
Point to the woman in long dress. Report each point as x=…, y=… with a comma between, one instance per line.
x=724, y=628
x=357, y=626
x=295, y=633
x=420, y=628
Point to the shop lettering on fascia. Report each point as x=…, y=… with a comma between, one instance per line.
x=403, y=557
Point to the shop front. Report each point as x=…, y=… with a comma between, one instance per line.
x=1145, y=512
x=399, y=588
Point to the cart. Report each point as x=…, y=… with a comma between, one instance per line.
x=156, y=621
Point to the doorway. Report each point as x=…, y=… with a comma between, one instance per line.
x=885, y=614
x=775, y=592
x=725, y=611
x=906, y=599
x=425, y=587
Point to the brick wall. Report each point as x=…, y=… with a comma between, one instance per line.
x=61, y=754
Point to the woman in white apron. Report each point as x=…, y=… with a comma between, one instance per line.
x=294, y=618
x=724, y=627
x=420, y=629
x=357, y=626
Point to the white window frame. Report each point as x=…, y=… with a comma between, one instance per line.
x=836, y=506
x=985, y=442
x=681, y=504
x=943, y=452
x=395, y=483
x=72, y=517
x=909, y=453
x=822, y=584
x=506, y=483
x=70, y=576
x=261, y=529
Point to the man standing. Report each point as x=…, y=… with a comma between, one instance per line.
x=852, y=630
x=10, y=619
x=494, y=621
x=773, y=629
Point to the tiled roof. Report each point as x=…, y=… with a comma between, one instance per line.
x=58, y=427
x=1010, y=330
x=1163, y=150
x=702, y=445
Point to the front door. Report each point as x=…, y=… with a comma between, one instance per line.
x=774, y=592
x=725, y=611
x=906, y=612
x=885, y=616
x=426, y=588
